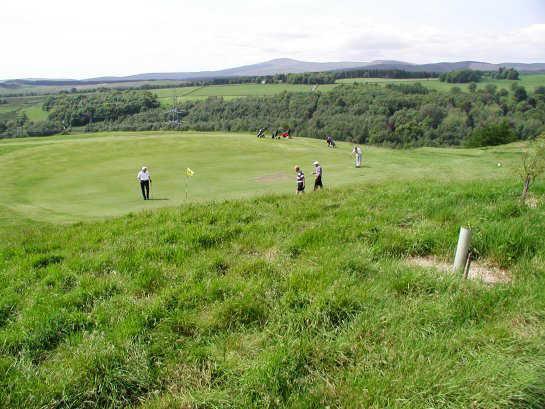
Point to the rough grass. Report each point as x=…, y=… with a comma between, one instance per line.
x=278, y=301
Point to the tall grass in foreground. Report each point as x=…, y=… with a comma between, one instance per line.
x=278, y=302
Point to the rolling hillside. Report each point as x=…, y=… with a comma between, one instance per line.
x=272, y=302
x=248, y=296
x=279, y=66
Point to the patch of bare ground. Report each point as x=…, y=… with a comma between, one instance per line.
x=484, y=272
x=527, y=326
x=275, y=177
x=271, y=254
x=532, y=201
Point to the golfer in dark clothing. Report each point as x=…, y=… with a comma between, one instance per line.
x=300, y=177
x=317, y=176
x=145, y=180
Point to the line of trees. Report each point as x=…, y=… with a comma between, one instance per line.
x=79, y=110
x=506, y=74
x=399, y=115
x=473, y=76
x=391, y=74
x=461, y=76
x=311, y=78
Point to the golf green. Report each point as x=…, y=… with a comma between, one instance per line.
x=84, y=177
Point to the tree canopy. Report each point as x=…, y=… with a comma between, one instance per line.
x=461, y=76
x=398, y=115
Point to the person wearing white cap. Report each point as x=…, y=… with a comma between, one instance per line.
x=317, y=176
x=145, y=180
x=356, y=151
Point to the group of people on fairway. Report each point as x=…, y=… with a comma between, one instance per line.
x=318, y=170
x=276, y=134
x=300, y=178
x=144, y=176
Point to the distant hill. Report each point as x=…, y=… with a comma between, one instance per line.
x=459, y=65
x=287, y=65
x=278, y=66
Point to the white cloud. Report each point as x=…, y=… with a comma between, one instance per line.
x=66, y=38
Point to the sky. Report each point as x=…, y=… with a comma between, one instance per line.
x=76, y=39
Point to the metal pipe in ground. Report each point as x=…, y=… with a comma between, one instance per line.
x=462, y=250
x=467, y=266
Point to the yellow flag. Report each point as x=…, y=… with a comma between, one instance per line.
x=189, y=172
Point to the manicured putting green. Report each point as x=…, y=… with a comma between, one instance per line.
x=82, y=177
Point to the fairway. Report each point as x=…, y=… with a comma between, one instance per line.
x=529, y=81
x=82, y=177
x=31, y=106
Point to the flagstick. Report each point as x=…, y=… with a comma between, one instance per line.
x=188, y=174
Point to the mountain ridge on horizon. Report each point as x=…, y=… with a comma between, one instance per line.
x=292, y=66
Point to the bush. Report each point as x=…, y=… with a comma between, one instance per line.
x=506, y=74
x=461, y=76
x=490, y=135
x=520, y=94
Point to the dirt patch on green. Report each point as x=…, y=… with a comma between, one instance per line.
x=275, y=177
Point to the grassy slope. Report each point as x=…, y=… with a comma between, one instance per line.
x=90, y=176
x=36, y=113
x=32, y=106
x=529, y=81
x=279, y=301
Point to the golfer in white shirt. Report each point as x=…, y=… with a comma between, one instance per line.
x=145, y=180
x=356, y=151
